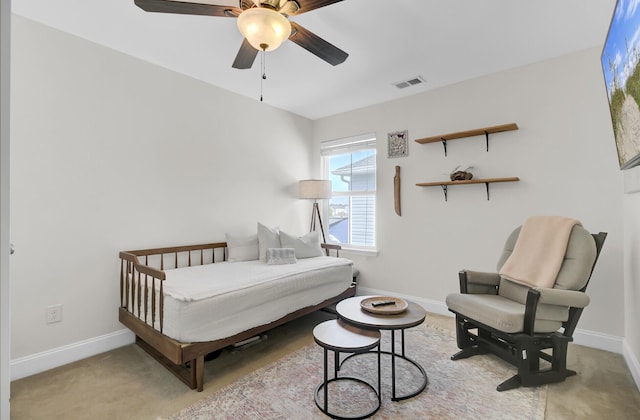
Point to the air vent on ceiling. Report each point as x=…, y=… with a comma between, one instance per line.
x=410, y=82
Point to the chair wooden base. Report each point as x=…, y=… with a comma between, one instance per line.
x=524, y=351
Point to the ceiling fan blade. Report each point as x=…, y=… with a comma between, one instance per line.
x=247, y=4
x=316, y=45
x=187, y=8
x=308, y=5
x=245, y=57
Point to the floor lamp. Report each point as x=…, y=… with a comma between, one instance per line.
x=315, y=189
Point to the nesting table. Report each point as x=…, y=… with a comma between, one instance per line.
x=350, y=311
x=336, y=336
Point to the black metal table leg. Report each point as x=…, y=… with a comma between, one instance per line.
x=393, y=365
x=403, y=356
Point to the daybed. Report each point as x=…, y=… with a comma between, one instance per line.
x=188, y=301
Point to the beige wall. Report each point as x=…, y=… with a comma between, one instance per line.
x=563, y=152
x=111, y=153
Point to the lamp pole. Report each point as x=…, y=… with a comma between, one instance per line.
x=314, y=212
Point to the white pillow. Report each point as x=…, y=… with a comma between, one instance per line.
x=267, y=238
x=306, y=246
x=242, y=248
x=277, y=256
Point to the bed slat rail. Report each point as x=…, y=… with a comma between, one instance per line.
x=138, y=278
x=331, y=247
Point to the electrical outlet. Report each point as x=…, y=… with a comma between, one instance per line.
x=53, y=314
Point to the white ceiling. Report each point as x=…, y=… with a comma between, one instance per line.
x=445, y=42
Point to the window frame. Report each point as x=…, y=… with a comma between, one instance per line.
x=345, y=146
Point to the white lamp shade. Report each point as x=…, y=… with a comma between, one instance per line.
x=315, y=189
x=265, y=29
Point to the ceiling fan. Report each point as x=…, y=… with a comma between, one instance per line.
x=263, y=23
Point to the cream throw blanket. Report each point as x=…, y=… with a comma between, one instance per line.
x=539, y=251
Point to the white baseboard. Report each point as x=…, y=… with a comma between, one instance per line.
x=40, y=362
x=632, y=363
x=46, y=360
x=598, y=340
x=583, y=337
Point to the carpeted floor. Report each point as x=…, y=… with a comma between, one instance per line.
x=126, y=383
x=285, y=389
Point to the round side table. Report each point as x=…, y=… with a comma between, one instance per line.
x=350, y=311
x=340, y=337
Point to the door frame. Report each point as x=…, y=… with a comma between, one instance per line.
x=5, y=246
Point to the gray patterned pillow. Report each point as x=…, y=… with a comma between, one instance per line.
x=277, y=256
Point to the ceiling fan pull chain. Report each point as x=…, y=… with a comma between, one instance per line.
x=264, y=66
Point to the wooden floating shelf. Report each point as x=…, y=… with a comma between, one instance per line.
x=468, y=181
x=486, y=181
x=469, y=133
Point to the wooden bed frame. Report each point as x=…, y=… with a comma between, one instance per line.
x=139, y=308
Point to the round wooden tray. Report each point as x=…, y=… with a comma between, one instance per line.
x=398, y=306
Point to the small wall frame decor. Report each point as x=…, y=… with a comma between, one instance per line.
x=398, y=143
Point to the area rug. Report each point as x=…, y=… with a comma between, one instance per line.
x=463, y=389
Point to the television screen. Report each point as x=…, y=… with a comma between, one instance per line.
x=620, y=65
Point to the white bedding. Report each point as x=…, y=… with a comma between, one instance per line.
x=204, y=281
x=215, y=301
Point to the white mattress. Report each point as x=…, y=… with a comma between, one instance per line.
x=215, y=301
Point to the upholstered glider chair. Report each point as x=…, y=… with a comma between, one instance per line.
x=529, y=310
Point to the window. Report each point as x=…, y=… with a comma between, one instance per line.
x=350, y=164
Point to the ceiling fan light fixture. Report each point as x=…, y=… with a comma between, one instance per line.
x=265, y=29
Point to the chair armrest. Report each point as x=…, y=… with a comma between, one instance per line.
x=530, y=308
x=572, y=298
x=569, y=298
x=480, y=277
x=478, y=282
